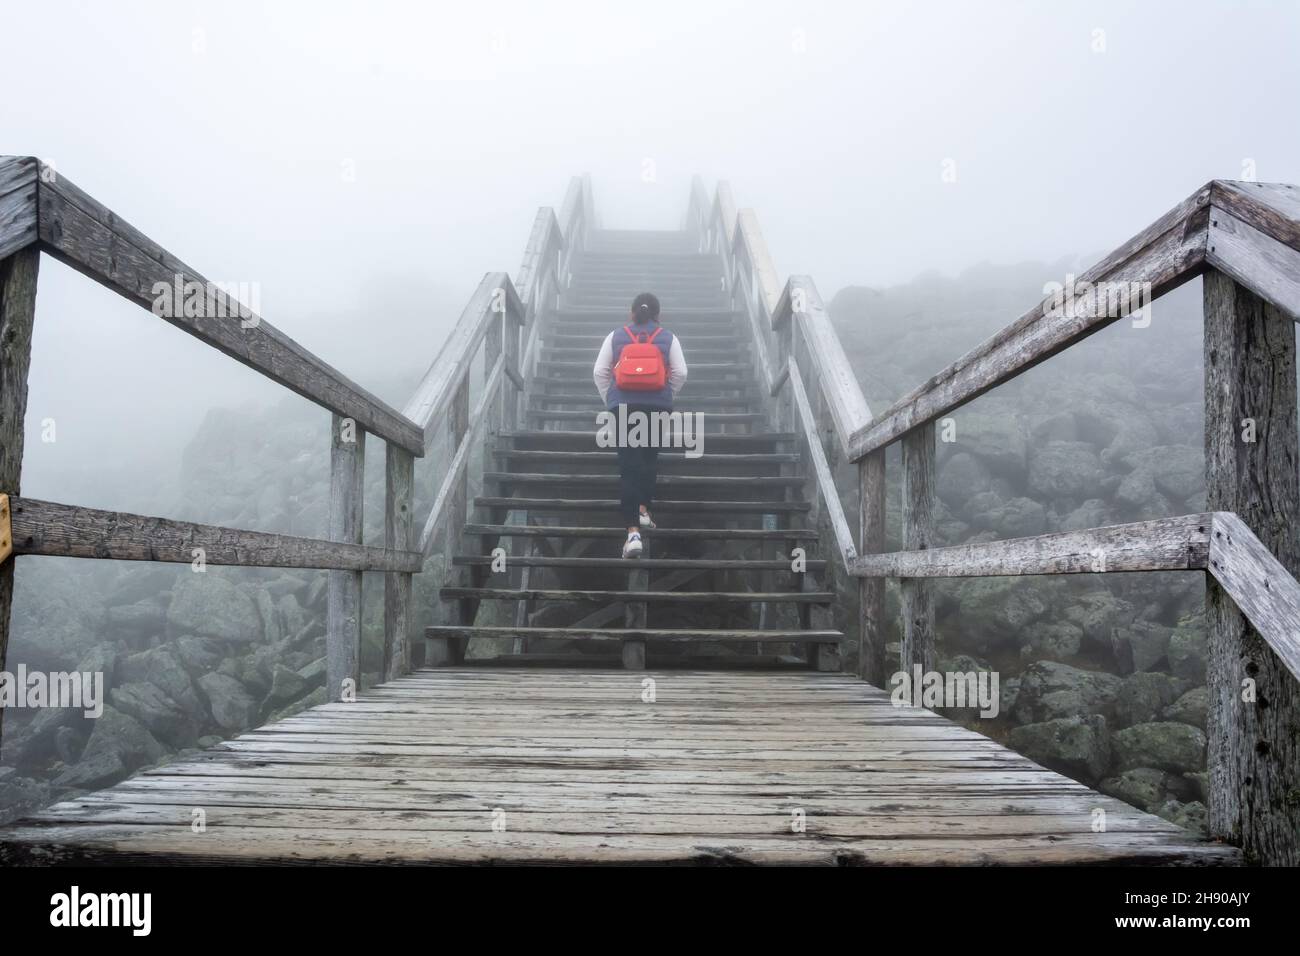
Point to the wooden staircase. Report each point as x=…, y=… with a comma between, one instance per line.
x=716, y=582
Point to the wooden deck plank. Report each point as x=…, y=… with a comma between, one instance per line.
x=577, y=768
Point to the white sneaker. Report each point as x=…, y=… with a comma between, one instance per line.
x=646, y=520
x=632, y=547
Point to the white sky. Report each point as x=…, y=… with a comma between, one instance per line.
x=221, y=130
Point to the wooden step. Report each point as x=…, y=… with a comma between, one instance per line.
x=625, y=564
x=650, y=635
x=666, y=459
x=659, y=507
x=649, y=597
x=586, y=440
x=592, y=399
x=734, y=352
x=695, y=534
x=582, y=414
x=742, y=482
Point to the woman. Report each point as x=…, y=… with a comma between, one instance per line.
x=648, y=382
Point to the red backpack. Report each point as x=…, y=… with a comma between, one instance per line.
x=640, y=366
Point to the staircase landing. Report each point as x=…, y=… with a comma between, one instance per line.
x=574, y=766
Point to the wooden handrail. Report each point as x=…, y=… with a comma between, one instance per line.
x=58, y=530
x=78, y=230
x=1249, y=231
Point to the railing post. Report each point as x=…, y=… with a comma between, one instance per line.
x=1251, y=459
x=451, y=650
x=398, y=479
x=343, y=602
x=871, y=591
x=18, y=274
x=916, y=594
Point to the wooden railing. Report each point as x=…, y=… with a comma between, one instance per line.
x=41, y=211
x=1244, y=239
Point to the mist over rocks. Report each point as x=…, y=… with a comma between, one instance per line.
x=1103, y=675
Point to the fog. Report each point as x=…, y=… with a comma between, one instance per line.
x=366, y=163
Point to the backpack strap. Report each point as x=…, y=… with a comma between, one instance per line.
x=630, y=334
x=653, y=334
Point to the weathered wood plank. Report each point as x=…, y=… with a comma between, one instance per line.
x=18, y=279
x=916, y=594
x=70, y=531
x=1164, y=544
x=821, y=469
x=657, y=635
x=1272, y=208
x=18, y=203
x=871, y=591
x=1252, y=457
x=1269, y=268
x=84, y=234
x=1165, y=254
x=399, y=479
x=343, y=595
x=1263, y=590
x=638, y=595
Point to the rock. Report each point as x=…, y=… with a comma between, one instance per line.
x=1142, y=697
x=1020, y=518
x=1141, y=646
x=1064, y=469
x=286, y=686
x=314, y=673
x=994, y=435
x=291, y=613
x=272, y=627
x=118, y=745
x=233, y=708
x=164, y=717
x=1051, y=641
x=1177, y=748
x=200, y=655
x=1091, y=514
x=19, y=796
x=1176, y=470
x=210, y=740
x=1143, y=787
x=1189, y=816
x=962, y=476
x=1049, y=690
x=212, y=606
x=134, y=620
x=315, y=698
x=1192, y=708
x=1188, y=650
x=1008, y=692
x=1098, y=614
x=1076, y=746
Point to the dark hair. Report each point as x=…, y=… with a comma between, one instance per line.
x=645, y=308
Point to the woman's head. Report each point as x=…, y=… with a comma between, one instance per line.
x=645, y=308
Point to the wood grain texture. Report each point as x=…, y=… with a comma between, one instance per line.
x=399, y=479
x=1272, y=208
x=575, y=766
x=343, y=594
x=70, y=531
x=1164, y=544
x=916, y=595
x=1269, y=268
x=1165, y=254
x=18, y=279
x=1254, y=750
x=83, y=233
x=821, y=470
x=18, y=203
x=871, y=591
x=1263, y=590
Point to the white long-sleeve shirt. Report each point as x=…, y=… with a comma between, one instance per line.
x=603, y=372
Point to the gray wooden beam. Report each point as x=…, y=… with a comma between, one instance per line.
x=1164, y=544
x=18, y=203
x=916, y=594
x=871, y=591
x=399, y=479
x=1165, y=254
x=1253, y=469
x=18, y=276
x=83, y=233
x=343, y=597
x=68, y=531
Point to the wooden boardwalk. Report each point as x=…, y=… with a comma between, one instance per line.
x=573, y=766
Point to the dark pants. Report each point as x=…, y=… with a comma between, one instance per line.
x=637, y=468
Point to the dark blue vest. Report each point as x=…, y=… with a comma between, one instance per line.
x=660, y=399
